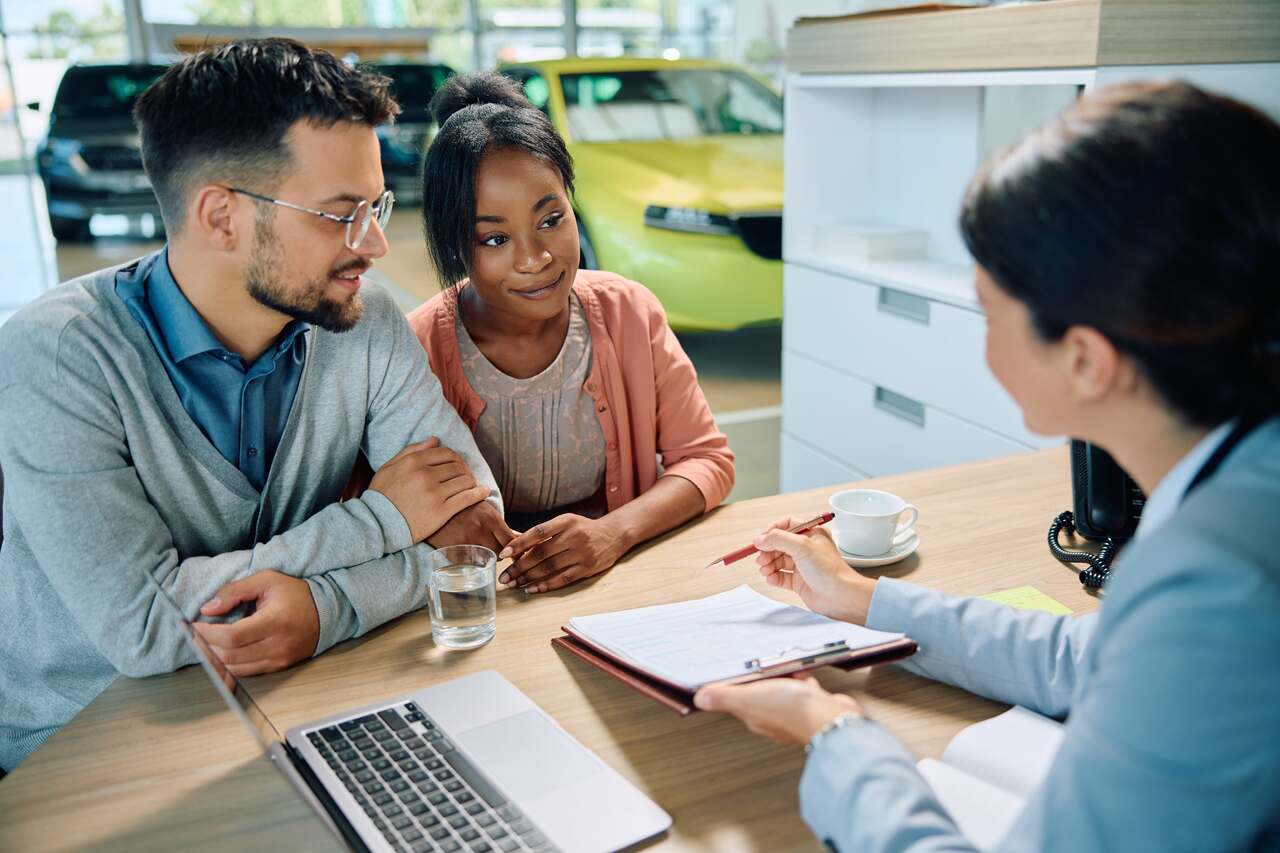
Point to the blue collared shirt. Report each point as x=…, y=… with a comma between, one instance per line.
x=241, y=408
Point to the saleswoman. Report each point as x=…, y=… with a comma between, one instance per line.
x=1129, y=266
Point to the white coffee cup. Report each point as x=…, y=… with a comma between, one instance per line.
x=867, y=522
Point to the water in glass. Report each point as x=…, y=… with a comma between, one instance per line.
x=463, y=605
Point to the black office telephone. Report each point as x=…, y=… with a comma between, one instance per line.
x=1106, y=506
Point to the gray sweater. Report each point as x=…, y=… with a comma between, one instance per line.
x=107, y=477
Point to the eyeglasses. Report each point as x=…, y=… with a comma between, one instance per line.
x=357, y=221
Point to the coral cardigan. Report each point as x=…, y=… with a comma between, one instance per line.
x=655, y=420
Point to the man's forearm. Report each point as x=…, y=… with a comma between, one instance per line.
x=352, y=601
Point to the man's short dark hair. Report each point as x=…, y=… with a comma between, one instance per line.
x=222, y=114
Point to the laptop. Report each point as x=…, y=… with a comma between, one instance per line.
x=470, y=764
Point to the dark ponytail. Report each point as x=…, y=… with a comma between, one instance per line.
x=476, y=113
x=1150, y=212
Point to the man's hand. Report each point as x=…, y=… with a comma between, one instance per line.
x=788, y=710
x=429, y=484
x=479, y=524
x=558, y=552
x=283, y=628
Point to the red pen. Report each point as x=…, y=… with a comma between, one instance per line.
x=805, y=527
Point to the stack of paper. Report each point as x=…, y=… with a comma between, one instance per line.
x=867, y=241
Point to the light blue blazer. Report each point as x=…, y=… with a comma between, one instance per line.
x=1171, y=692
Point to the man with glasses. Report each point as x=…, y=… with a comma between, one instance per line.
x=195, y=414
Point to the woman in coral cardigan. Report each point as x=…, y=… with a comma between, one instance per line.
x=581, y=399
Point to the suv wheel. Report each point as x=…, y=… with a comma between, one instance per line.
x=70, y=230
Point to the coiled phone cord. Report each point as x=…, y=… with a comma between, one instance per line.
x=1097, y=569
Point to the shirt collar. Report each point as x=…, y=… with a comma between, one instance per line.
x=185, y=332
x=1168, y=493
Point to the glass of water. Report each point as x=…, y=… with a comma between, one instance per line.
x=463, y=592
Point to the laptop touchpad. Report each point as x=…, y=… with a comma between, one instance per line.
x=528, y=756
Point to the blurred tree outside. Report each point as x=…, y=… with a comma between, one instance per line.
x=329, y=13
x=64, y=36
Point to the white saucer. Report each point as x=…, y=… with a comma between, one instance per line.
x=901, y=552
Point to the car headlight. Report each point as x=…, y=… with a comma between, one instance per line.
x=687, y=219
x=65, y=151
x=408, y=140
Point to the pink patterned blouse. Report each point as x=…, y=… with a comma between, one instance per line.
x=540, y=436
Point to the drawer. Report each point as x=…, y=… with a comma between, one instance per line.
x=805, y=467
x=927, y=350
x=874, y=429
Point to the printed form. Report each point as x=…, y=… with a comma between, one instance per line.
x=692, y=643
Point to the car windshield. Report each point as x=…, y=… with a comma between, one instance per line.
x=675, y=103
x=103, y=91
x=414, y=86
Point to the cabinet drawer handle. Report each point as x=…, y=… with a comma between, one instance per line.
x=906, y=305
x=899, y=406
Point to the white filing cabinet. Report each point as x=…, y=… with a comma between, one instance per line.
x=883, y=367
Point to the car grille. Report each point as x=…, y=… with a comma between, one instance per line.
x=762, y=234
x=116, y=158
x=73, y=191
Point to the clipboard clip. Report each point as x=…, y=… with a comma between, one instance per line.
x=791, y=658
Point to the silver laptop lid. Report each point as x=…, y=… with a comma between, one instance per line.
x=226, y=684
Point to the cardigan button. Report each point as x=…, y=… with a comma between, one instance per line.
x=613, y=489
x=613, y=445
x=603, y=408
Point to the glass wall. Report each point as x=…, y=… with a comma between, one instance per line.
x=516, y=31
x=507, y=30
x=38, y=41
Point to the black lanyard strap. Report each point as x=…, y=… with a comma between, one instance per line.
x=1238, y=434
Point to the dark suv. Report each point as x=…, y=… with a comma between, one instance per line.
x=405, y=142
x=90, y=160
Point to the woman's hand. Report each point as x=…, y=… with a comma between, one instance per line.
x=478, y=524
x=429, y=485
x=558, y=552
x=788, y=710
x=810, y=566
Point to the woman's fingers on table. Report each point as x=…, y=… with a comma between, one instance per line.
x=536, y=557
x=571, y=574
x=553, y=564
x=524, y=541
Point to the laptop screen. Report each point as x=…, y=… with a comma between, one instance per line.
x=226, y=684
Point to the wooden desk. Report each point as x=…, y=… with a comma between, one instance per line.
x=152, y=763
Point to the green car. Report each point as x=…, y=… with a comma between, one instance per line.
x=679, y=179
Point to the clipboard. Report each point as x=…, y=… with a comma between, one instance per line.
x=786, y=662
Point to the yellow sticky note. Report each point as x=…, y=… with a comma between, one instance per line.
x=1028, y=598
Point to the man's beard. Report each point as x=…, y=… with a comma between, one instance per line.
x=309, y=303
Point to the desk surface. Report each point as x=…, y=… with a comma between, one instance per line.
x=159, y=763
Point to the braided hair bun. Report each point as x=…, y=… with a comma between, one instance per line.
x=465, y=90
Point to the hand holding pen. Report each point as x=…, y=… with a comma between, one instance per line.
x=800, y=529
x=808, y=564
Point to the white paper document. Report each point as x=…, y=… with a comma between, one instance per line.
x=990, y=769
x=692, y=643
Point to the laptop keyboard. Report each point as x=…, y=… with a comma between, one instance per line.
x=421, y=792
